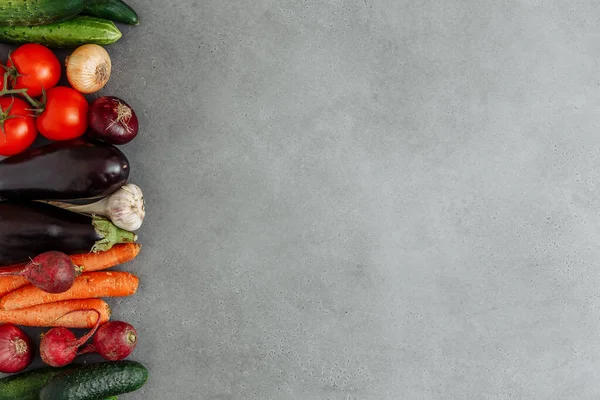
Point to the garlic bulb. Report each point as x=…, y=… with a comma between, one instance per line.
x=88, y=68
x=125, y=207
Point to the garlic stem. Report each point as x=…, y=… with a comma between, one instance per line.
x=100, y=207
x=125, y=207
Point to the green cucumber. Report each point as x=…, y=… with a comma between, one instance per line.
x=114, y=10
x=70, y=33
x=37, y=12
x=96, y=381
x=27, y=385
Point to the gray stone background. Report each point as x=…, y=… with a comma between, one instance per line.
x=366, y=199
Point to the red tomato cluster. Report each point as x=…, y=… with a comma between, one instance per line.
x=62, y=113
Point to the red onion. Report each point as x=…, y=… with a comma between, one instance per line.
x=114, y=341
x=52, y=271
x=16, y=349
x=112, y=120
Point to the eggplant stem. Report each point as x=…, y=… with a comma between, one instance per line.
x=110, y=233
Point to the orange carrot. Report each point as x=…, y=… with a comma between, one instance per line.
x=118, y=254
x=87, y=286
x=10, y=283
x=69, y=314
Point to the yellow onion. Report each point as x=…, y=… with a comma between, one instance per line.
x=88, y=68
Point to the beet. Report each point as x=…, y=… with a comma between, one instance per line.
x=59, y=346
x=115, y=340
x=52, y=271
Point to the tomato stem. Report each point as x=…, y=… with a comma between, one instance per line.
x=23, y=92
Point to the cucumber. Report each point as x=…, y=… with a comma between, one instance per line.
x=70, y=33
x=96, y=381
x=114, y=10
x=37, y=12
x=27, y=385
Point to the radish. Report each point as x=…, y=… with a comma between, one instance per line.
x=53, y=272
x=114, y=341
x=59, y=346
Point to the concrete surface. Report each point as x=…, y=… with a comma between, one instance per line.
x=368, y=199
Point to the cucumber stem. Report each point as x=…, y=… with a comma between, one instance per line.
x=111, y=234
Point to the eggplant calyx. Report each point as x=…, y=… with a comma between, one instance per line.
x=110, y=233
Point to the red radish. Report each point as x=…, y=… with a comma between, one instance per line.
x=53, y=272
x=16, y=349
x=114, y=341
x=59, y=346
x=112, y=120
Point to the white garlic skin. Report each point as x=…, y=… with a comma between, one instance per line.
x=126, y=207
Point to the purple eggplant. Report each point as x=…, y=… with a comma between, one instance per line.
x=31, y=228
x=68, y=170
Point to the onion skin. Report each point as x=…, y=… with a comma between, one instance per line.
x=88, y=68
x=16, y=349
x=112, y=120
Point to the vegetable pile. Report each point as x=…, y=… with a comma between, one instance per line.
x=68, y=213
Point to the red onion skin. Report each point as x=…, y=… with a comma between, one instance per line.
x=106, y=125
x=16, y=349
x=52, y=271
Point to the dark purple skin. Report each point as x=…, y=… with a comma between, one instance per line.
x=67, y=170
x=30, y=229
x=106, y=125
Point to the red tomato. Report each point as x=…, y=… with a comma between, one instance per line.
x=17, y=126
x=65, y=115
x=37, y=67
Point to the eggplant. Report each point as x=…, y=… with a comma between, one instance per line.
x=31, y=228
x=68, y=170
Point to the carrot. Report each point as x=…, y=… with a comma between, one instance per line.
x=87, y=286
x=69, y=314
x=118, y=254
x=10, y=283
